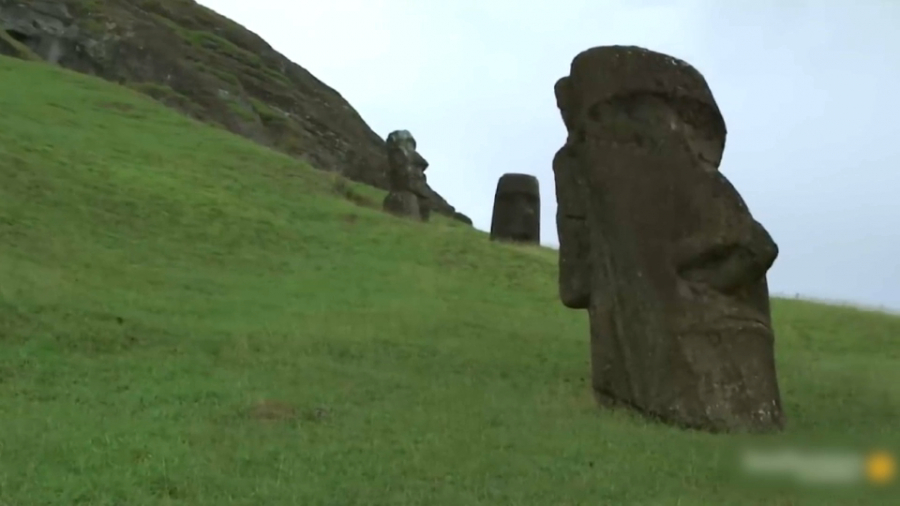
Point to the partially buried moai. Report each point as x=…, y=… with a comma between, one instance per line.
x=660, y=248
x=517, y=209
x=407, y=194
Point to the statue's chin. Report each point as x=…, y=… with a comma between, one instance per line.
x=733, y=368
x=575, y=300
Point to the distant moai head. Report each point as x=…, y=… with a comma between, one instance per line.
x=517, y=209
x=660, y=247
x=406, y=167
x=408, y=191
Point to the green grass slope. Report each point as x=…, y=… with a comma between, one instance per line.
x=189, y=318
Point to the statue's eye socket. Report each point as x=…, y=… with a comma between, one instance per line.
x=595, y=112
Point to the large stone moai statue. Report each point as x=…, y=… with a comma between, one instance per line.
x=517, y=209
x=407, y=195
x=660, y=248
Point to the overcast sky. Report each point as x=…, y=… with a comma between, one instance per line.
x=810, y=91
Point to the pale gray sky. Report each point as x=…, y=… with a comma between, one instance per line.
x=809, y=90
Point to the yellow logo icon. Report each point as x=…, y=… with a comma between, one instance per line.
x=881, y=468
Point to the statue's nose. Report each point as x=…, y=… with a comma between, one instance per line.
x=524, y=219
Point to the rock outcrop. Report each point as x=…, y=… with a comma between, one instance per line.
x=660, y=248
x=207, y=66
x=517, y=209
x=462, y=217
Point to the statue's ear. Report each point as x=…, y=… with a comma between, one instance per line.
x=571, y=228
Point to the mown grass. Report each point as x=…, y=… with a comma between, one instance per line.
x=189, y=318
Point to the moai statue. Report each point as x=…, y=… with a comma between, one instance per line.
x=660, y=248
x=517, y=209
x=407, y=195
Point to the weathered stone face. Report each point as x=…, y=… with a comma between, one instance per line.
x=517, y=209
x=660, y=247
x=406, y=174
x=403, y=161
x=571, y=215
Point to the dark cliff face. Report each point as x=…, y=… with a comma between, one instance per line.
x=207, y=66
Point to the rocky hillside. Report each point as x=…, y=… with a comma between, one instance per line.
x=207, y=66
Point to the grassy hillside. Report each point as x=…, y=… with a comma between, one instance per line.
x=207, y=66
x=189, y=318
